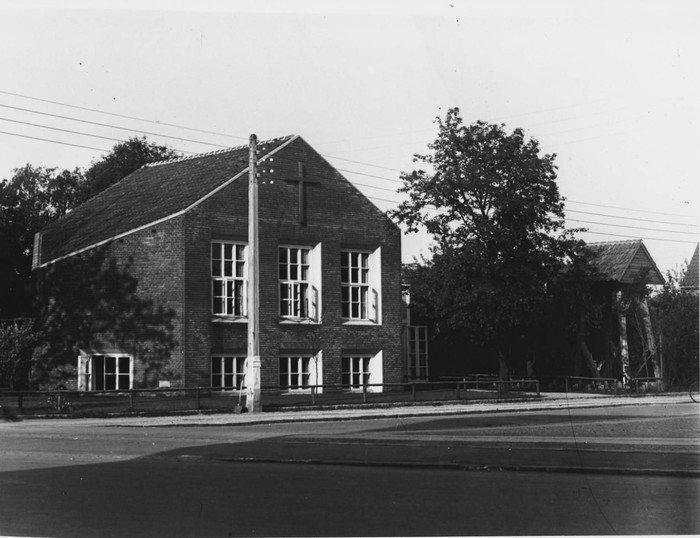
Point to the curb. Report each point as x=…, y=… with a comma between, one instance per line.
x=578, y=403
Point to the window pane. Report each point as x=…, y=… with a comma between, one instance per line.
x=344, y=275
x=110, y=365
x=123, y=381
x=216, y=251
x=228, y=268
x=216, y=380
x=216, y=365
x=240, y=252
x=124, y=365
x=293, y=255
x=344, y=259
x=110, y=381
x=228, y=251
x=283, y=255
x=293, y=272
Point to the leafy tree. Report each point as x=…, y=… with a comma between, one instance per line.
x=125, y=158
x=17, y=342
x=675, y=320
x=29, y=200
x=492, y=204
x=35, y=196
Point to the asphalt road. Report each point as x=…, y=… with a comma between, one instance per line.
x=627, y=470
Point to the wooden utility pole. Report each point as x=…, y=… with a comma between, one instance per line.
x=252, y=370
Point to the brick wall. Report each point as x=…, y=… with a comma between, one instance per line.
x=127, y=297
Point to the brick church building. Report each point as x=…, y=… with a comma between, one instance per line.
x=146, y=282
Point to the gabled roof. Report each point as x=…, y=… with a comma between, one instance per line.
x=625, y=262
x=152, y=194
x=690, y=279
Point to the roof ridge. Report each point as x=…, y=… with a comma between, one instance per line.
x=620, y=242
x=214, y=152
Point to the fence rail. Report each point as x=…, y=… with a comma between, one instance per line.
x=214, y=399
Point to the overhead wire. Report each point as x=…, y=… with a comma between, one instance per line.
x=110, y=126
x=74, y=132
x=54, y=141
x=233, y=136
x=121, y=115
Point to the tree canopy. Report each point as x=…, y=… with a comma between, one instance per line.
x=35, y=195
x=125, y=158
x=491, y=202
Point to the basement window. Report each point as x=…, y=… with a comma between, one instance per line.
x=227, y=372
x=105, y=372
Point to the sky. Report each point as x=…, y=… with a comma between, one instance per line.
x=613, y=88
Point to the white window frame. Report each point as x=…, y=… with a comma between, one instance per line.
x=236, y=372
x=371, y=289
x=308, y=308
x=417, y=351
x=233, y=307
x=371, y=371
x=314, y=372
x=86, y=371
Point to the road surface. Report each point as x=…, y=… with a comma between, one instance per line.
x=627, y=470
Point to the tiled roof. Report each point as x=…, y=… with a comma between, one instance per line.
x=690, y=280
x=625, y=261
x=152, y=193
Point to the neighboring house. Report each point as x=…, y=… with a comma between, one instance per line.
x=623, y=267
x=689, y=284
x=626, y=262
x=160, y=268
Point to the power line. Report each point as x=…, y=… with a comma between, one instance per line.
x=647, y=238
x=110, y=126
x=73, y=132
x=631, y=218
x=632, y=227
x=54, y=141
x=361, y=162
x=630, y=209
x=122, y=115
x=231, y=136
x=368, y=175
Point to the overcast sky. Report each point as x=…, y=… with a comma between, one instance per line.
x=613, y=88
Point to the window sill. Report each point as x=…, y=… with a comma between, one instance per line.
x=293, y=321
x=229, y=319
x=361, y=322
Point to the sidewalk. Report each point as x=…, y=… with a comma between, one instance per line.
x=549, y=401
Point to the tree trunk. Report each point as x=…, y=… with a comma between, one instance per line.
x=649, y=336
x=502, y=365
x=585, y=352
x=624, y=352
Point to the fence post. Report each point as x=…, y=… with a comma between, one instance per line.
x=413, y=391
x=199, y=403
x=498, y=384
x=537, y=386
x=457, y=391
x=364, y=393
x=313, y=394
x=59, y=402
x=131, y=399
x=566, y=384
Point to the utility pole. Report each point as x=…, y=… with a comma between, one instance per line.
x=252, y=370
